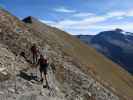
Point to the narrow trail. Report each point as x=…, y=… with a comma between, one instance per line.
x=24, y=87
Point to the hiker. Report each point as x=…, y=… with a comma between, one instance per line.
x=35, y=52
x=43, y=69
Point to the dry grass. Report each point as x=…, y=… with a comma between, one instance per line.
x=108, y=71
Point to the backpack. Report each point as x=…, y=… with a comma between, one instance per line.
x=43, y=61
x=34, y=49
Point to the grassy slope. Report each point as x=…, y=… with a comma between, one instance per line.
x=108, y=71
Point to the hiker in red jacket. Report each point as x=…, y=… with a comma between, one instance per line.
x=43, y=69
x=35, y=52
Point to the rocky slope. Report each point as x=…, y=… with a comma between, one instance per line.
x=16, y=86
x=87, y=59
x=76, y=72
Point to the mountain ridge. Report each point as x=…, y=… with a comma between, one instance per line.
x=116, y=45
x=74, y=65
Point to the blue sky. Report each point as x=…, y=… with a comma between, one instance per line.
x=76, y=16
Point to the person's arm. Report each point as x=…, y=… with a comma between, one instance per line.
x=38, y=52
x=47, y=62
x=38, y=62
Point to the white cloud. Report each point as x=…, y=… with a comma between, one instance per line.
x=64, y=10
x=47, y=22
x=116, y=14
x=76, y=26
x=130, y=13
x=78, y=23
x=84, y=14
x=92, y=23
x=91, y=28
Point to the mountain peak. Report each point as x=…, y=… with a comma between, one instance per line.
x=29, y=19
x=118, y=30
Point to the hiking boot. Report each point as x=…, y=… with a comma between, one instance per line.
x=45, y=86
x=41, y=80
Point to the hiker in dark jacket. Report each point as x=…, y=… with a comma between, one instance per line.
x=35, y=52
x=43, y=69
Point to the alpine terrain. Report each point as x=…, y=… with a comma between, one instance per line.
x=76, y=71
x=116, y=44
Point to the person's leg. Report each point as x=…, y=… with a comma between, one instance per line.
x=46, y=79
x=36, y=61
x=41, y=76
x=33, y=58
x=36, y=58
x=32, y=73
x=46, y=86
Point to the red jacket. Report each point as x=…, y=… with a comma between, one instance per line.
x=34, y=50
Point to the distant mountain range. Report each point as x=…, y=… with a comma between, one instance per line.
x=115, y=44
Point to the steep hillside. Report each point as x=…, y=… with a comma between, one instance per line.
x=81, y=73
x=16, y=82
x=88, y=59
